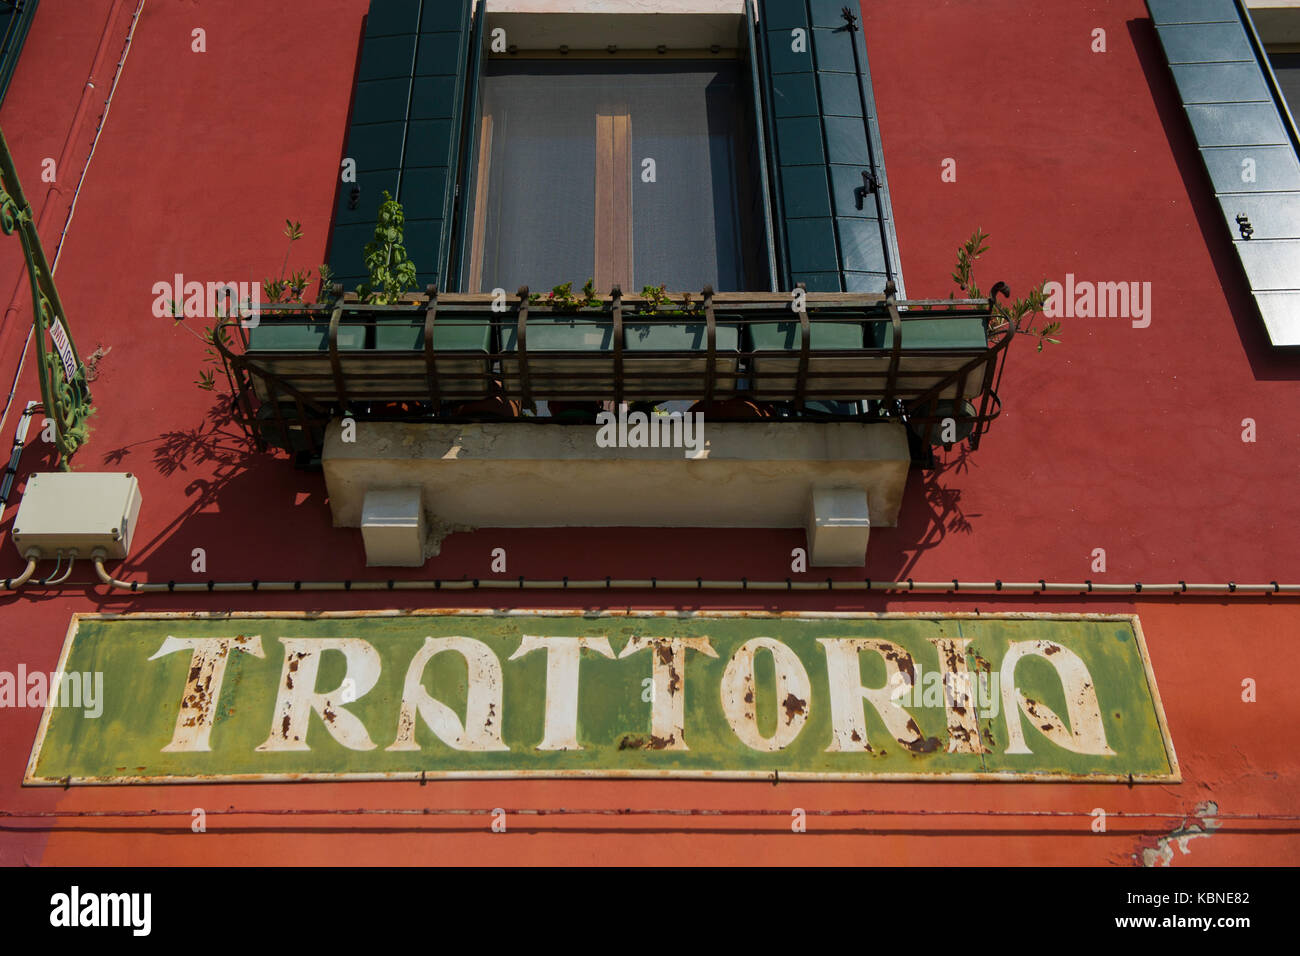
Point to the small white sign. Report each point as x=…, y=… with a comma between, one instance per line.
x=61, y=343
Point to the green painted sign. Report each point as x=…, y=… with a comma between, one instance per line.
x=375, y=695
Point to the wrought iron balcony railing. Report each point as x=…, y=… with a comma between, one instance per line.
x=460, y=357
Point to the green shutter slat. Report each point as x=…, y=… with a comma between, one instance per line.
x=459, y=224
x=404, y=132
x=15, y=20
x=431, y=166
x=393, y=18
x=829, y=238
x=764, y=206
x=387, y=58
x=439, y=54
x=1242, y=126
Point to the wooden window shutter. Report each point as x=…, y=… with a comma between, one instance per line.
x=833, y=235
x=405, y=133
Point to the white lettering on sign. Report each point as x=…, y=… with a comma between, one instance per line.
x=64, y=347
x=297, y=696
x=562, y=656
x=954, y=688
x=668, y=702
x=482, y=727
x=739, y=695
x=208, y=657
x=1086, y=734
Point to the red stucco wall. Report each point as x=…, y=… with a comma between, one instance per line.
x=1121, y=438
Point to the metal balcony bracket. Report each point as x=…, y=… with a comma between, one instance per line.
x=521, y=342
x=805, y=345
x=430, y=359
x=711, y=342
x=336, y=364
x=65, y=394
x=616, y=304
x=896, y=351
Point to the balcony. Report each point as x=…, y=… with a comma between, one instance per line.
x=468, y=411
x=462, y=358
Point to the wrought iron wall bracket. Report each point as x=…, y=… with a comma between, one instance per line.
x=616, y=304
x=65, y=394
x=711, y=343
x=521, y=342
x=430, y=360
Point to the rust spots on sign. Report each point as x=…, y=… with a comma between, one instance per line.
x=793, y=707
x=901, y=659
x=920, y=744
x=634, y=742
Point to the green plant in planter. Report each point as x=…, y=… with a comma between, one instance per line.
x=562, y=297
x=392, y=273
x=1022, y=315
x=655, y=296
x=289, y=286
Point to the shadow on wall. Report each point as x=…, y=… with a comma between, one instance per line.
x=237, y=497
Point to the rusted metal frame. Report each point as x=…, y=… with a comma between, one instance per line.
x=336, y=364
x=305, y=423
x=986, y=394
x=273, y=396
x=241, y=389
x=287, y=386
x=805, y=345
x=616, y=302
x=474, y=303
x=896, y=352
x=430, y=357
x=931, y=395
x=521, y=345
x=711, y=340
x=929, y=424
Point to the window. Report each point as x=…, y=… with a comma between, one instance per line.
x=1247, y=142
x=1286, y=67
x=632, y=172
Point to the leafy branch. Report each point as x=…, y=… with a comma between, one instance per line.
x=562, y=297
x=392, y=273
x=1022, y=316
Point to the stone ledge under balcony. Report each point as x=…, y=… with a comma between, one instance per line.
x=524, y=475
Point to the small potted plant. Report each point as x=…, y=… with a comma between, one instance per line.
x=666, y=337
x=561, y=326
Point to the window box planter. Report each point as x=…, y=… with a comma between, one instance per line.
x=775, y=362
x=462, y=345
x=290, y=346
x=933, y=338
x=655, y=366
x=560, y=348
x=662, y=360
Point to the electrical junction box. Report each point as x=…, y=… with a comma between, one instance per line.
x=77, y=511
